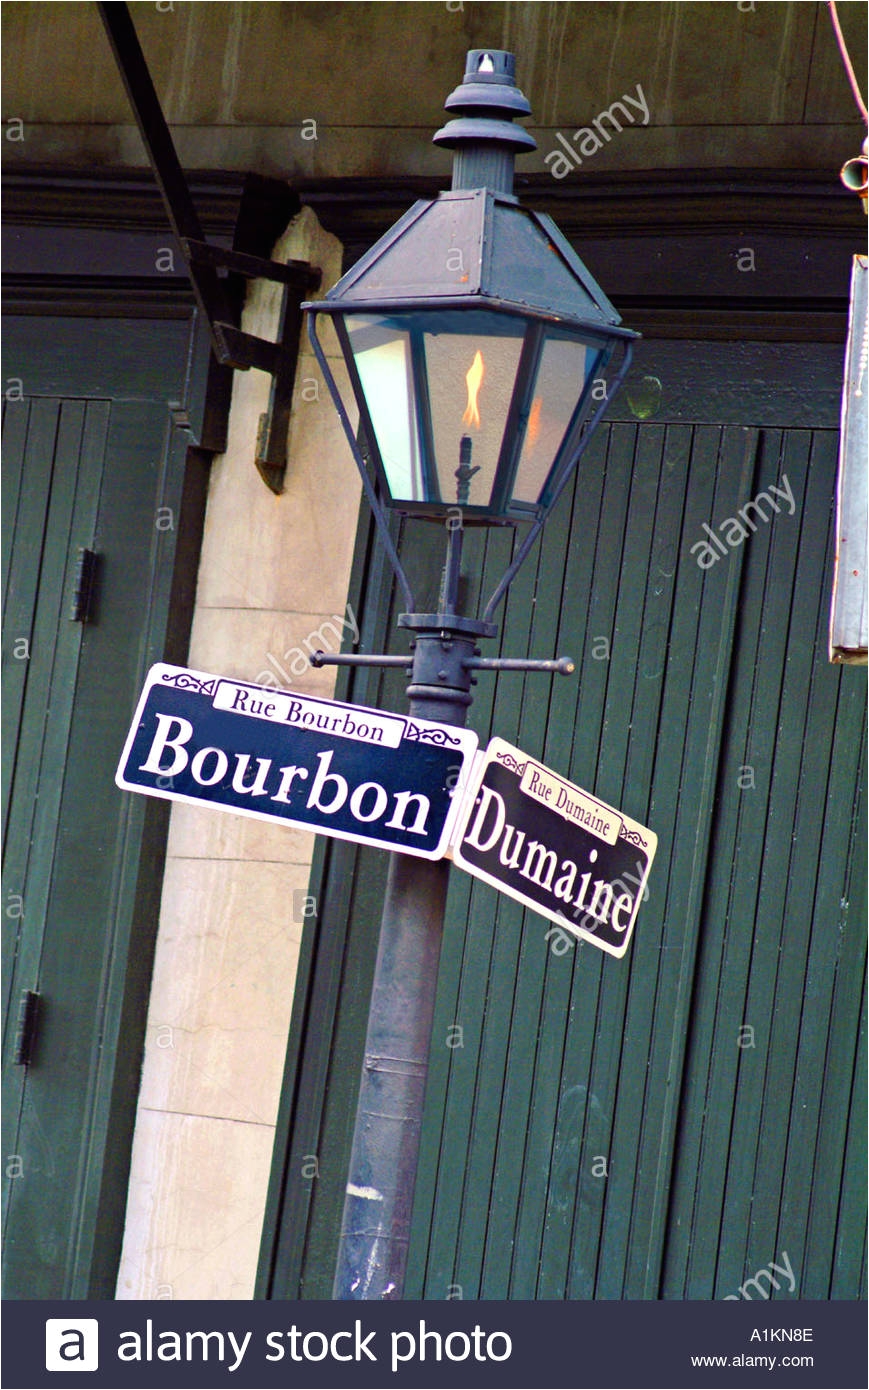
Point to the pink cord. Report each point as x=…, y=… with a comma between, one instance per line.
x=849, y=68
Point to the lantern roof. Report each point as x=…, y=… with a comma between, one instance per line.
x=475, y=247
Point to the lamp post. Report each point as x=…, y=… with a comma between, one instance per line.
x=473, y=338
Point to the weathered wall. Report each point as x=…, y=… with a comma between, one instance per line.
x=272, y=580
x=341, y=90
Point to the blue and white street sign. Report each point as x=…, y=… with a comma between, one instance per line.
x=337, y=769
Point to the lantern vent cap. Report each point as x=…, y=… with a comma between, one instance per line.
x=485, y=104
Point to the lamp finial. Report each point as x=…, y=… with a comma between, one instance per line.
x=482, y=133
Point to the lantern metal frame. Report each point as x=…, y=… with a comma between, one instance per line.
x=512, y=261
x=577, y=436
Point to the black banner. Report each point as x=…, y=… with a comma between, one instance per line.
x=512, y=1346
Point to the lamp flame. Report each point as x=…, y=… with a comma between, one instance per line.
x=474, y=378
x=534, y=422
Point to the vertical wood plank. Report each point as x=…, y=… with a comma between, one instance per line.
x=714, y=1155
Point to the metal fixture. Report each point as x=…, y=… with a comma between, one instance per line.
x=477, y=347
x=232, y=347
x=84, y=586
x=855, y=175
x=27, y=1027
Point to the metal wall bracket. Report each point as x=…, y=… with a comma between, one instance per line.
x=205, y=262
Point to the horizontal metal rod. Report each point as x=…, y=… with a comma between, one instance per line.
x=325, y=659
x=562, y=666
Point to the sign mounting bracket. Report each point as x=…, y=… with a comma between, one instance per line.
x=232, y=347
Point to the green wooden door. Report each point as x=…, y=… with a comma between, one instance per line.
x=772, y=1117
x=603, y=1129
x=93, y=459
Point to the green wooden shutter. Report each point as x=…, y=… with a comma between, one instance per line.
x=570, y=1058
x=557, y=1161
x=599, y=1132
x=764, y=1115
x=52, y=469
x=90, y=455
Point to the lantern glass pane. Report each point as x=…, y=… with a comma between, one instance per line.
x=382, y=354
x=471, y=375
x=438, y=385
x=564, y=370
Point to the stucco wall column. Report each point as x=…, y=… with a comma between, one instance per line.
x=272, y=586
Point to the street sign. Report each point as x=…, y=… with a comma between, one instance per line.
x=554, y=847
x=344, y=770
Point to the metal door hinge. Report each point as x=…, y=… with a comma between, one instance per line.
x=84, y=591
x=27, y=1027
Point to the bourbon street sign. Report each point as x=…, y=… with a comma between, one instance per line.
x=554, y=847
x=343, y=770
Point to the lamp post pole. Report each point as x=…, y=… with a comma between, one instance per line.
x=372, y=1255
x=375, y=1228
x=521, y=283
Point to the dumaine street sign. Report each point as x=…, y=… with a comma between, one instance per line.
x=554, y=847
x=337, y=769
